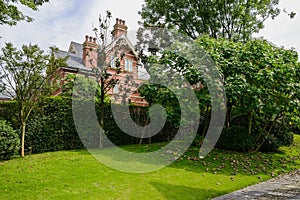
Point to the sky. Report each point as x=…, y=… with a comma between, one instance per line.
x=62, y=21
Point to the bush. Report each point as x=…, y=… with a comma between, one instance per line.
x=276, y=139
x=51, y=126
x=9, y=111
x=9, y=141
x=236, y=138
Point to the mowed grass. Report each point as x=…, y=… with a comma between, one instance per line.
x=78, y=175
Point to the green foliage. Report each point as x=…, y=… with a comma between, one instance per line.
x=9, y=111
x=25, y=76
x=9, y=141
x=157, y=94
x=236, y=138
x=261, y=84
x=277, y=139
x=51, y=126
x=10, y=13
x=262, y=90
x=234, y=20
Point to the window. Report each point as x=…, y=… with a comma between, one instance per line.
x=113, y=61
x=116, y=89
x=128, y=65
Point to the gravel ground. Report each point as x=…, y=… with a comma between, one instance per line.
x=283, y=187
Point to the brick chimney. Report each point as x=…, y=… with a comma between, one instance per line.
x=90, y=52
x=119, y=28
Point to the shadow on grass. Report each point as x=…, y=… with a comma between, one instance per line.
x=180, y=192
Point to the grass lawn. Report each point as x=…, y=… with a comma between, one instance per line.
x=78, y=175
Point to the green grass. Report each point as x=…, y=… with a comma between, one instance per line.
x=78, y=175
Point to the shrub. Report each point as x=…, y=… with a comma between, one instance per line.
x=9, y=141
x=51, y=127
x=236, y=138
x=278, y=137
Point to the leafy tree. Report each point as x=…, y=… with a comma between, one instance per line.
x=26, y=75
x=261, y=84
x=10, y=14
x=235, y=20
x=262, y=89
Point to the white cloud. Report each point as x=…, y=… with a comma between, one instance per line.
x=61, y=21
x=284, y=31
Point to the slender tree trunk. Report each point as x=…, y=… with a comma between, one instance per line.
x=23, y=140
x=101, y=122
x=102, y=112
x=141, y=139
x=250, y=122
x=146, y=121
x=228, y=114
x=206, y=121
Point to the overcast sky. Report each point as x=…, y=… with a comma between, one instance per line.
x=61, y=21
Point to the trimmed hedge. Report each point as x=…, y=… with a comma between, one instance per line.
x=51, y=126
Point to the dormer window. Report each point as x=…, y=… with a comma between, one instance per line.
x=72, y=50
x=128, y=65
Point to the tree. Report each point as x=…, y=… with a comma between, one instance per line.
x=10, y=14
x=235, y=20
x=262, y=90
x=261, y=83
x=105, y=79
x=26, y=75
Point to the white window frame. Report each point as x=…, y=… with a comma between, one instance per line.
x=116, y=89
x=128, y=63
x=113, y=62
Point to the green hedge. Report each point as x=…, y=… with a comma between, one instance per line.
x=9, y=141
x=51, y=126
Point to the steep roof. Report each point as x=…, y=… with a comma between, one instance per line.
x=75, y=54
x=76, y=49
x=122, y=41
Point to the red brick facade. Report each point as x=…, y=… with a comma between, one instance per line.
x=83, y=57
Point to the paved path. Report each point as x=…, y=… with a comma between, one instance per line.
x=280, y=188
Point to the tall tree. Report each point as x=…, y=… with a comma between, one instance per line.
x=235, y=20
x=10, y=14
x=105, y=79
x=25, y=76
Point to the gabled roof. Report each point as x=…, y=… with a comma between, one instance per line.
x=75, y=49
x=75, y=54
x=121, y=40
x=74, y=60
